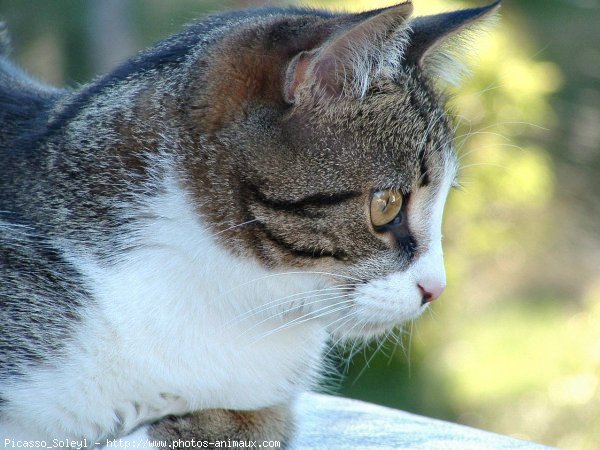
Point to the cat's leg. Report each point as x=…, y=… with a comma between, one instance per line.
x=212, y=425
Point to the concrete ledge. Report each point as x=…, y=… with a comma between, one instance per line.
x=328, y=423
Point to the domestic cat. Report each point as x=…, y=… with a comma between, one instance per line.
x=180, y=238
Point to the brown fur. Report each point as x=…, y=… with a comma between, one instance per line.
x=211, y=425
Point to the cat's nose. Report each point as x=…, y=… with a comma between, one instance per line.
x=431, y=289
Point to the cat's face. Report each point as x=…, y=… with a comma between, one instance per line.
x=343, y=182
x=317, y=194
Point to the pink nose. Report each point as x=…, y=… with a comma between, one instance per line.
x=430, y=290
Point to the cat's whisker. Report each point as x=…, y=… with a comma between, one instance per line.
x=463, y=138
x=468, y=166
x=281, y=274
x=327, y=297
x=513, y=122
x=368, y=361
x=337, y=344
x=461, y=118
x=385, y=339
x=299, y=296
x=354, y=342
x=395, y=343
x=426, y=134
x=399, y=338
x=348, y=318
x=327, y=310
x=433, y=314
x=491, y=87
x=332, y=296
x=355, y=348
x=484, y=147
x=213, y=235
x=307, y=317
x=408, y=352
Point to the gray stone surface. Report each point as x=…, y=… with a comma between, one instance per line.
x=332, y=423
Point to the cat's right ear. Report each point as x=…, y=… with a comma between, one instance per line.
x=296, y=74
x=346, y=60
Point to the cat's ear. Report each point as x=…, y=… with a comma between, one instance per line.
x=347, y=60
x=435, y=41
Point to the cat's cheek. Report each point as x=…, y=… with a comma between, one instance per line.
x=382, y=304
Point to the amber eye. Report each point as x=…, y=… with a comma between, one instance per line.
x=385, y=206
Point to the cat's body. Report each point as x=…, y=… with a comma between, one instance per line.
x=187, y=232
x=124, y=313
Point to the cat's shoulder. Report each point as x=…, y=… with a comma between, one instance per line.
x=34, y=270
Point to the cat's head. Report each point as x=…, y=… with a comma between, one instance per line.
x=328, y=139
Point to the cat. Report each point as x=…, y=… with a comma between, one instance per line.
x=181, y=238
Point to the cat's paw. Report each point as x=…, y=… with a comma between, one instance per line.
x=211, y=428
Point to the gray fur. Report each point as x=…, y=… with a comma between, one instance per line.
x=33, y=325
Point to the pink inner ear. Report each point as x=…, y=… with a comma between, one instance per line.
x=322, y=73
x=296, y=74
x=330, y=66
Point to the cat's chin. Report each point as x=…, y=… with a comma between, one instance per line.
x=367, y=330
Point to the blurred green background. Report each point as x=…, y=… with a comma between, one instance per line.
x=514, y=344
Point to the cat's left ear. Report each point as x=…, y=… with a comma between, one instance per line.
x=433, y=40
x=361, y=46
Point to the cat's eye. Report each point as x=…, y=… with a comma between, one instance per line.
x=385, y=206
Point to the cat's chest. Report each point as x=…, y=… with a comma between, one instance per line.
x=180, y=324
x=212, y=363
x=174, y=334
x=137, y=370
x=233, y=371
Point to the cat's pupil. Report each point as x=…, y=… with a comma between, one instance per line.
x=397, y=221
